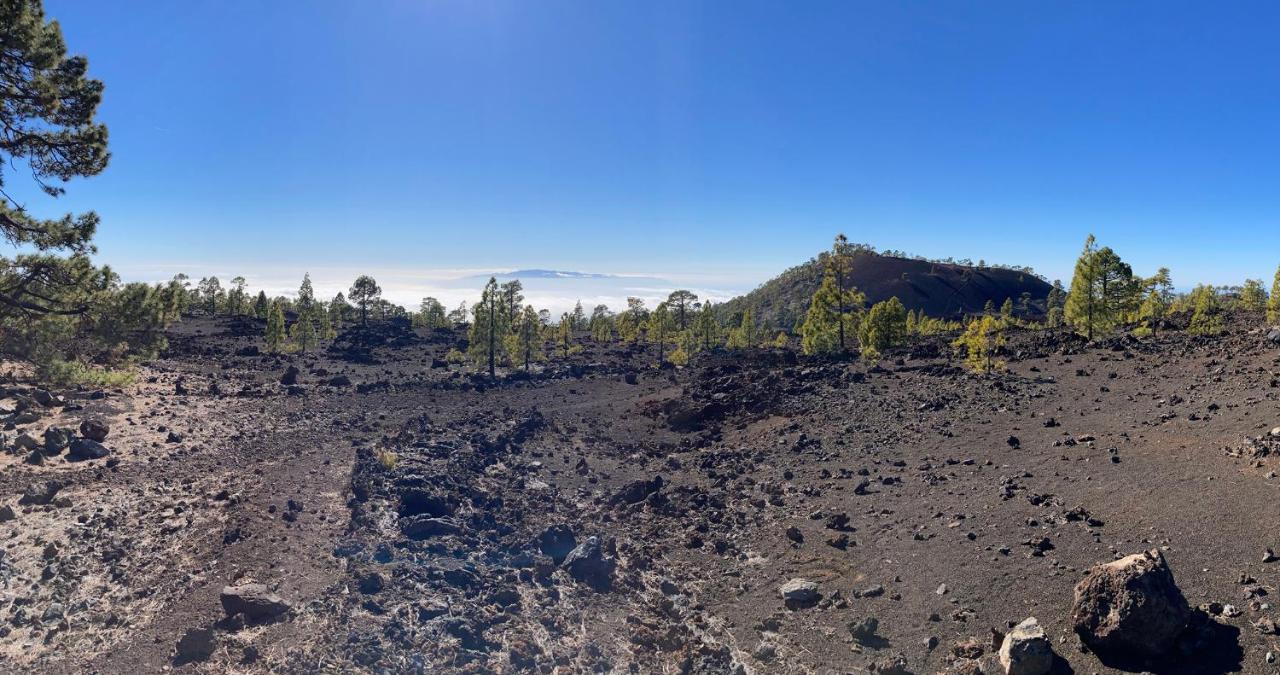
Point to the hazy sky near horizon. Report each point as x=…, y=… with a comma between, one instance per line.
x=716, y=142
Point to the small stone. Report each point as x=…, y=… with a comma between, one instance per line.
x=799, y=591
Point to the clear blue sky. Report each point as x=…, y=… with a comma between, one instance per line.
x=673, y=137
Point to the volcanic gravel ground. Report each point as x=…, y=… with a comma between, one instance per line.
x=602, y=515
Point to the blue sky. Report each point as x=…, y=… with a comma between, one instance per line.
x=719, y=141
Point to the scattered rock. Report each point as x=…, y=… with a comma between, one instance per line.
x=85, y=449
x=40, y=492
x=589, y=564
x=799, y=592
x=94, y=430
x=196, y=645
x=254, y=601
x=1026, y=650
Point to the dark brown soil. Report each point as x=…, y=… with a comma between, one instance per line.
x=419, y=519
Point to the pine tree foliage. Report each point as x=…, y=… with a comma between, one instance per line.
x=1253, y=297
x=660, y=327
x=578, y=317
x=431, y=314
x=833, y=317
x=883, y=327
x=601, y=324
x=682, y=304
x=303, y=331
x=982, y=339
x=261, y=306
x=525, y=340
x=510, y=298
x=704, y=334
x=1273, y=302
x=489, y=327
x=275, y=333
x=47, y=127
x=365, y=292
x=1206, y=318
x=745, y=336
x=1156, y=301
x=1103, y=291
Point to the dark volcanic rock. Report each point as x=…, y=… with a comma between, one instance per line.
x=83, y=448
x=41, y=492
x=557, y=541
x=589, y=564
x=254, y=601
x=290, y=376
x=94, y=430
x=422, y=527
x=56, y=439
x=1130, y=607
x=196, y=645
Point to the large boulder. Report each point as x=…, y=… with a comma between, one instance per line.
x=255, y=601
x=83, y=449
x=1273, y=336
x=1130, y=607
x=1026, y=650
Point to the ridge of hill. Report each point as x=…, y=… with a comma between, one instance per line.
x=939, y=289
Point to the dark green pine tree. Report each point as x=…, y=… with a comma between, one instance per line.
x=47, y=126
x=489, y=327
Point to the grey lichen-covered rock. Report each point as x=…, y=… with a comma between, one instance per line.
x=1130, y=607
x=799, y=591
x=1026, y=650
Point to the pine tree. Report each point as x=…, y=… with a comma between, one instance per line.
x=488, y=328
x=1206, y=319
x=510, y=296
x=989, y=309
x=601, y=325
x=304, y=330
x=579, y=317
x=632, y=321
x=47, y=130
x=236, y=304
x=660, y=326
x=1057, y=296
x=526, y=341
x=275, y=328
x=745, y=336
x=980, y=342
x=682, y=304
x=832, y=314
x=1156, y=300
x=338, y=310
x=430, y=314
x=306, y=295
x=1006, y=310
x=364, y=292
x=1103, y=291
x=705, y=333
x=1273, y=303
x=564, y=334
x=327, y=331
x=884, y=326
x=261, y=306
x=1253, y=297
